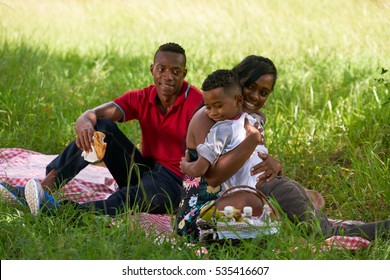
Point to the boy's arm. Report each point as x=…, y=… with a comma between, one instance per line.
x=196, y=168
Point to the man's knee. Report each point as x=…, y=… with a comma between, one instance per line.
x=106, y=125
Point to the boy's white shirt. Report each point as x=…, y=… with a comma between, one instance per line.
x=226, y=135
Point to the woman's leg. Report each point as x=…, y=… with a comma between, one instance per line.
x=369, y=231
x=293, y=200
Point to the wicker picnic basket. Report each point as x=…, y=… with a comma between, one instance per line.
x=265, y=221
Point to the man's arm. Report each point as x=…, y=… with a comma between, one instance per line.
x=86, y=122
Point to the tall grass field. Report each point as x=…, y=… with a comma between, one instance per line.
x=328, y=118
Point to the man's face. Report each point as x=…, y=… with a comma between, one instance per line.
x=168, y=71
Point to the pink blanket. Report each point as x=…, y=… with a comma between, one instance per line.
x=17, y=166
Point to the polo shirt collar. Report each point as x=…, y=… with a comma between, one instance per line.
x=180, y=99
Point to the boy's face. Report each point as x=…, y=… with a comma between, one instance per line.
x=257, y=93
x=221, y=106
x=168, y=71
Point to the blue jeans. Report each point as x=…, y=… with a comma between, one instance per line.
x=142, y=183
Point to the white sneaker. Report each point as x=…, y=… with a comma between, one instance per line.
x=35, y=196
x=12, y=194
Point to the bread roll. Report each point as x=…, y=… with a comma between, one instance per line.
x=99, y=144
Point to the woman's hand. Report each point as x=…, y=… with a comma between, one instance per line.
x=271, y=168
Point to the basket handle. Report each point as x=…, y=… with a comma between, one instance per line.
x=242, y=188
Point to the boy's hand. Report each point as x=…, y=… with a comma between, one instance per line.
x=253, y=130
x=184, y=161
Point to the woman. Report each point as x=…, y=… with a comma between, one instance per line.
x=257, y=77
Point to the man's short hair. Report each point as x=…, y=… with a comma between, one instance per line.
x=171, y=47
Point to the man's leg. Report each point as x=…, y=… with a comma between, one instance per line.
x=158, y=192
x=119, y=157
x=8, y=193
x=122, y=157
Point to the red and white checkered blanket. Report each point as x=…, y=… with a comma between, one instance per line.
x=95, y=182
x=17, y=166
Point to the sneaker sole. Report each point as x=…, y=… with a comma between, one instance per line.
x=7, y=196
x=32, y=197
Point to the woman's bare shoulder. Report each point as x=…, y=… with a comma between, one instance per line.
x=198, y=128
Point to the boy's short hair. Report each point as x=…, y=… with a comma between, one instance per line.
x=171, y=47
x=223, y=78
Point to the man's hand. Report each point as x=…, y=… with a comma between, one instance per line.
x=271, y=168
x=84, y=139
x=84, y=131
x=87, y=121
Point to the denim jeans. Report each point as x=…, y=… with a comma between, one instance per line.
x=142, y=183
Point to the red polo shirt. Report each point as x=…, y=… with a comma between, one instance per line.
x=163, y=136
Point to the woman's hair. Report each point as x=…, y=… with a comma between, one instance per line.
x=253, y=67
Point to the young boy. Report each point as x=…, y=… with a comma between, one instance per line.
x=223, y=102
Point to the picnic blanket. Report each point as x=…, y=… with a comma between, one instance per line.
x=95, y=182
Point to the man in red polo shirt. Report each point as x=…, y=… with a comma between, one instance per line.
x=150, y=180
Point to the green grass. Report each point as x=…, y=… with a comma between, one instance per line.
x=328, y=119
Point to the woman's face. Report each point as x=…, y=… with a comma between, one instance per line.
x=257, y=93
